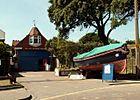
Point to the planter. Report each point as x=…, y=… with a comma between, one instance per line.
x=64, y=72
x=76, y=75
x=59, y=72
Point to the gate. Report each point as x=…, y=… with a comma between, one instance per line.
x=131, y=66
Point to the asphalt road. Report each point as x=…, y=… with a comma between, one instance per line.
x=47, y=86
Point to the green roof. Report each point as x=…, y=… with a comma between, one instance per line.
x=99, y=50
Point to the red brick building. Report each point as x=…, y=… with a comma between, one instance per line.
x=31, y=51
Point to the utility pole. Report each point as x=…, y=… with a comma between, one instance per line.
x=137, y=51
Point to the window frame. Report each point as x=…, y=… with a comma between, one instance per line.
x=35, y=40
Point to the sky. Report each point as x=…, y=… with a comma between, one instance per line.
x=16, y=20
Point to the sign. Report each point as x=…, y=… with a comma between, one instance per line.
x=107, y=69
x=108, y=72
x=0, y=61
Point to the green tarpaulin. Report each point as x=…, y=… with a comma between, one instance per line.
x=99, y=50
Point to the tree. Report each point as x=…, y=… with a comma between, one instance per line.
x=63, y=49
x=4, y=48
x=68, y=14
x=90, y=37
x=88, y=42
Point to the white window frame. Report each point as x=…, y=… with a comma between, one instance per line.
x=32, y=40
x=39, y=39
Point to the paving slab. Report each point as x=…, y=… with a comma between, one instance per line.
x=14, y=94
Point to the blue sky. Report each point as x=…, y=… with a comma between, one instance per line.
x=16, y=20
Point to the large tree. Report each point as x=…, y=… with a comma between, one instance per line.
x=68, y=14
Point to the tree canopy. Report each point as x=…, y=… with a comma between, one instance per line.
x=4, y=48
x=63, y=49
x=68, y=14
x=90, y=37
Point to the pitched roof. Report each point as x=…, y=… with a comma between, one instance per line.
x=24, y=43
x=34, y=32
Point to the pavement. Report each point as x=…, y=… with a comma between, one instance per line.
x=14, y=92
x=19, y=92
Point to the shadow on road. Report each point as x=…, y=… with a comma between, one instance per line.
x=125, y=82
x=27, y=98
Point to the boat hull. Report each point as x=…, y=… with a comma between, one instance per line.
x=119, y=66
x=110, y=57
x=95, y=61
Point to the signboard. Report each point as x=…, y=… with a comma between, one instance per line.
x=0, y=61
x=107, y=73
x=107, y=69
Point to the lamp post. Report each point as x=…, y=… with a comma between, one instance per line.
x=137, y=39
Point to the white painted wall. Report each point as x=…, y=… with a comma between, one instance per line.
x=2, y=35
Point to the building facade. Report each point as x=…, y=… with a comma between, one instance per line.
x=2, y=36
x=31, y=52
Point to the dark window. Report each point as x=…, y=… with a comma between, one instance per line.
x=35, y=39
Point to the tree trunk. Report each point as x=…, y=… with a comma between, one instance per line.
x=102, y=36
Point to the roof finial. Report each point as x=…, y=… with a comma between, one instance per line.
x=34, y=22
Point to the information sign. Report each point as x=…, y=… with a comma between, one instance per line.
x=107, y=73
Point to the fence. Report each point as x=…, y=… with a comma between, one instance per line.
x=131, y=66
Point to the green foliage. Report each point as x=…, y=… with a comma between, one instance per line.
x=64, y=50
x=90, y=38
x=68, y=14
x=4, y=48
x=112, y=41
x=130, y=41
x=88, y=42
x=87, y=47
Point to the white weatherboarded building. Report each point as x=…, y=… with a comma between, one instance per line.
x=2, y=35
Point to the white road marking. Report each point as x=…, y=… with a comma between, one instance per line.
x=46, y=86
x=88, y=90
